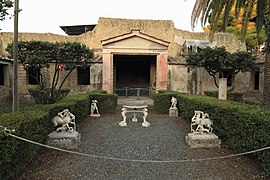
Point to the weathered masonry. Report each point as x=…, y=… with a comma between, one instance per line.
x=133, y=53
x=145, y=54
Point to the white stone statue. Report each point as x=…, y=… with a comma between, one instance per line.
x=201, y=122
x=64, y=118
x=94, y=109
x=174, y=103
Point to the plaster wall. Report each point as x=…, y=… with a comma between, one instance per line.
x=196, y=81
x=179, y=78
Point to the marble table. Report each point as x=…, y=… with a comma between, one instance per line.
x=136, y=108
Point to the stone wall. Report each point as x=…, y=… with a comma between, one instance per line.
x=111, y=27
x=7, y=37
x=5, y=90
x=220, y=39
x=181, y=78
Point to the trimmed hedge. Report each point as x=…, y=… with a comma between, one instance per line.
x=43, y=96
x=33, y=123
x=15, y=154
x=242, y=127
x=232, y=96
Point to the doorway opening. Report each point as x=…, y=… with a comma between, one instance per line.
x=134, y=71
x=2, y=75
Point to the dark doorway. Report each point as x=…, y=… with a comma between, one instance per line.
x=134, y=71
x=2, y=75
x=257, y=81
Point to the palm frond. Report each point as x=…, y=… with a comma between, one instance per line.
x=238, y=5
x=227, y=11
x=198, y=9
x=248, y=9
x=260, y=12
x=216, y=8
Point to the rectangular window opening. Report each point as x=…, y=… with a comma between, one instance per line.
x=33, y=76
x=257, y=81
x=83, y=75
x=2, y=75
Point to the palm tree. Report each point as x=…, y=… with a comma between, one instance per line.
x=211, y=11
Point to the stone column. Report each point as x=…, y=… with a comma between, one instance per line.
x=162, y=69
x=222, y=90
x=107, y=72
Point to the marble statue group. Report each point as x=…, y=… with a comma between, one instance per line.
x=201, y=123
x=64, y=118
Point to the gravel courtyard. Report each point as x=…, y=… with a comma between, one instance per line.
x=163, y=140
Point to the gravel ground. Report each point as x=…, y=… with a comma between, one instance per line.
x=163, y=140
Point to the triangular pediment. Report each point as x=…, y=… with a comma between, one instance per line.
x=136, y=40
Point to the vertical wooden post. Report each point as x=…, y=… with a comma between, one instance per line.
x=15, y=105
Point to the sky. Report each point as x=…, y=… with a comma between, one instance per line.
x=45, y=16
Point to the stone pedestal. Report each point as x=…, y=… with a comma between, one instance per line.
x=65, y=140
x=205, y=140
x=173, y=112
x=134, y=118
x=94, y=115
x=123, y=123
x=145, y=124
x=222, y=90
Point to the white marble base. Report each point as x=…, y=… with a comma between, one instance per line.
x=123, y=123
x=64, y=140
x=173, y=112
x=94, y=115
x=205, y=140
x=145, y=124
x=134, y=118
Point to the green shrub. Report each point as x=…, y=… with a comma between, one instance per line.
x=241, y=127
x=16, y=154
x=43, y=96
x=166, y=91
x=98, y=91
x=232, y=96
x=33, y=123
x=106, y=102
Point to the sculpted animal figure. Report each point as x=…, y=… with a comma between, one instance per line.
x=205, y=124
x=202, y=121
x=64, y=118
x=195, y=119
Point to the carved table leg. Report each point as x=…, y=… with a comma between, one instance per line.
x=145, y=114
x=124, y=122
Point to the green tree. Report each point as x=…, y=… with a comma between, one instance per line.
x=211, y=11
x=5, y=5
x=220, y=63
x=67, y=56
